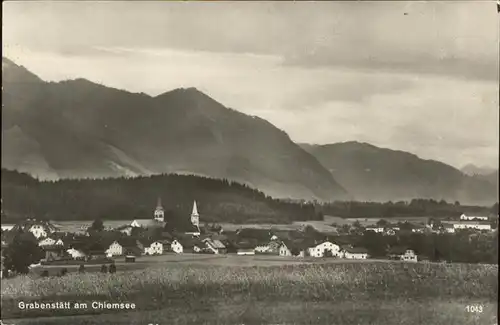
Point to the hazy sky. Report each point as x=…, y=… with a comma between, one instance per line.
x=415, y=76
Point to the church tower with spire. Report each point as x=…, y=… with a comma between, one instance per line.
x=159, y=214
x=195, y=217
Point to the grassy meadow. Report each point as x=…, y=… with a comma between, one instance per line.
x=350, y=293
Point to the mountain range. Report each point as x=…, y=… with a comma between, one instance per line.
x=80, y=129
x=371, y=173
x=471, y=170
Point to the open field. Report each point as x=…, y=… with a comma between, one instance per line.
x=172, y=259
x=322, y=225
x=335, y=293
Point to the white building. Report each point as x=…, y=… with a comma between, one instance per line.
x=289, y=248
x=115, y=249
x=245, y=251
x=214, y=245
x=7, y=227
x=46, y=242
x=284, y=250
x=262, y=248
x=407, y=255
x=39, y=229
x=375, y=229
x=176, y=246
x=320, y=249
x=154, y=248
x=76, y=253
x=420, y=229
x=479, y=218
x=477, y=225
x=448, y=228
x=355, y=253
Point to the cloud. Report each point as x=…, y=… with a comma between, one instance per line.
x=432, y=38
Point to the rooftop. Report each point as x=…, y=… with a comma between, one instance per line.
x=356, y=250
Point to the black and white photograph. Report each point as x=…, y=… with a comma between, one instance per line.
x=250, y=162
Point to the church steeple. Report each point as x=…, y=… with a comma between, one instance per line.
x=195, y=217
x=159, y=214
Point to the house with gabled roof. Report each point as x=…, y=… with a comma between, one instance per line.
x=294, y=248
x=448, y=228
x=54, y=252
x=476, y=225
x=402, y=253
x=39, y=228
x=375, y=229
x=322, y=248
x=245, y=248
x=187, y=244
x=114, y=249
x=152, y=246
x=475, y=218
x=271, y=247
x=354, y=253
x=215, y=245
x=47, y=241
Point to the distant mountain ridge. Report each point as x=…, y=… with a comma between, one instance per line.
x=471, y=170
x=371, y=173
x=79, y=129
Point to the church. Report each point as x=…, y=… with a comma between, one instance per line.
x=194, y=227
x=195, y=222
x=159, y=214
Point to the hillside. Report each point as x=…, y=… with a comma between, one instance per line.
x=377, y=174
x=134, y=198
x=79, y=129
x=489, y=177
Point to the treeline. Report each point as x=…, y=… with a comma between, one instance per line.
x=413, y=208
x=134, y=198
x=218, y=201
x=462, y=247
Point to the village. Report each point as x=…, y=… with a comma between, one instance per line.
x=153, y=237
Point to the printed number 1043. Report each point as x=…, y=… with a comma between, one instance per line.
x=474, y=308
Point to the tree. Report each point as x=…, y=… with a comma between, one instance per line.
x=81, y=269
x=23, y=252
x=494, y=208
x=104, y=269
x=112, y=268
x=405, y=226
x=357, y=224
x=344, y=229
x=382, y=223
x=295, y=251
x=137, y=231
x=97, y=225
